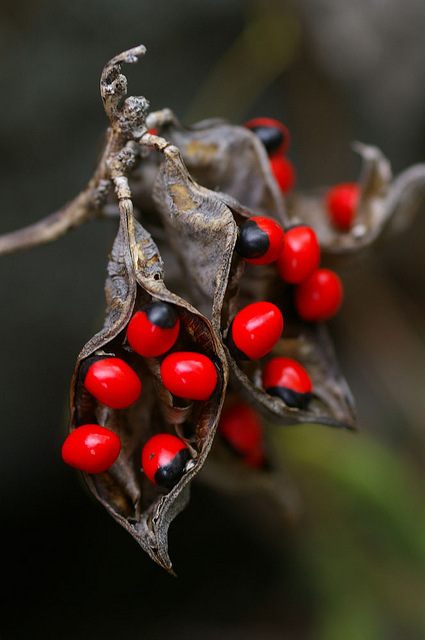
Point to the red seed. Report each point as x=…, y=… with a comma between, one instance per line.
x=164, y=459
x=286, y=372
x=300, y=256
x=320, y=296
x=153, y=330
x=260, y=240
x=272, y=133
x=189, y=375
x=341, y=202
x=91, y=448
x=256, y=329
x=284, y=173
x=241, y=426
x=113, y=383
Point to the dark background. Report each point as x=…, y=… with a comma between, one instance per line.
x=349, y=562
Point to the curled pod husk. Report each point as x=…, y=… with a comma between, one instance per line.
x=135, y=277
x=228, y=158
x=386, y=206
x=201, y=227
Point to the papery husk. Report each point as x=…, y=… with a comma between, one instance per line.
x=231, y=159
x=194, y=214
x=135, y=276
x=386, y=206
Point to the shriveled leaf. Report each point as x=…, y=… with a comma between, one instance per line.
x=143, y=508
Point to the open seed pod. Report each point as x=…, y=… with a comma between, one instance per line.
x=201, y=227
x=386, y=206
x=135, y=277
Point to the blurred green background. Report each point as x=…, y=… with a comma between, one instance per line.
x=347, y=561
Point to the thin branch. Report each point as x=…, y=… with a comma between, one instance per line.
x=72, y=215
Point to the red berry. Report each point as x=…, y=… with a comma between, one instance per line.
x=164, y=458
x=113, y=383
x=91, y=448
x=242, y=429
x=341, y=202
x=272, y=133
x=300, y=255
x=319, y=297
x=287, y=379
x=154, y=329
x=284, y=173
x=255, y=330
x=189, y=375
x=260, y=240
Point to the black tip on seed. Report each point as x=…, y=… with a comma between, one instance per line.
x=271, y=137
x=161, y=314
x=236, y=353
x=169, y=474
x=87, y=363
x=252, y=241
x=290, y=397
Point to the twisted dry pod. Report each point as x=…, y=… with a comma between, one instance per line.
x=386, y=207
x=135, y=278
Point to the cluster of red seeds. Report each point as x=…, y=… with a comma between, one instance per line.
x=255, y=330
x=318, y=295
x=151, y=333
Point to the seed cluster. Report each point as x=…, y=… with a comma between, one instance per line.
x=256, y=329
x=152, y=332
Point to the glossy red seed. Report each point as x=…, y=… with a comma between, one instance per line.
x=275, y=144
x=255, y=458
x=286, y=372
x=341, y=203
x=284, y=173
x=241, y=426
x=148, y=339
x=91, y=448
x=320, y=296
x=260, y=240
x=113, y=383
x=300, y=256
x=164, y=457
x=256, y=329
x=189, y=375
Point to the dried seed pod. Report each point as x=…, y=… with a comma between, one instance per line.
x=386, y=206
x=331, y=401
x=202, y=232
x=201, y=227
x=144, y=509
x=227, y=158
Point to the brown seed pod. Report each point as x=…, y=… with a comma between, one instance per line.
x=227, y=158
x=135, y=277
x=201, y=227
x=386, y=206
